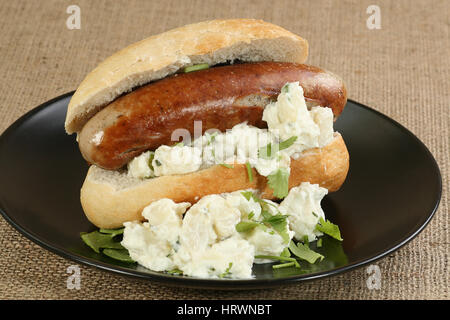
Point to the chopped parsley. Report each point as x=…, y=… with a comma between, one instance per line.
x=279, y=223
x=227, y=272
x=302, y=251
x=285, y=88
x=319, y=243
x=245, y=226
x=279, y=182
x=249, y=172
x=290, y=255
x=287, y=143
x=269, y=151
x=285, y=252
x=150, y=160
x=211, y=137
x=247, y=195
x=329, y=228
x=279, y=258
x=265, y=152
x=283, y=265
x=265, y=211
x=175, y=272
x=306, y=240
x=196, y=67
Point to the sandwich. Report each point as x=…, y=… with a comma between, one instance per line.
x=212, y=109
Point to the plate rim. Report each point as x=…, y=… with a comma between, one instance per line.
x=221, y=284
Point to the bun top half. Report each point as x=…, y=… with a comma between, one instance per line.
x=211, y=42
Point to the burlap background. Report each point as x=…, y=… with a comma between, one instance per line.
x=402, y=70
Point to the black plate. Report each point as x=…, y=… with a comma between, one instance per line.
x=392, y=191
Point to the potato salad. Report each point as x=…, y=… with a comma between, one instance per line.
x=222, y=235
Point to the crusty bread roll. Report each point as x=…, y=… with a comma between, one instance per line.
x=110, y=198
x=212, y=42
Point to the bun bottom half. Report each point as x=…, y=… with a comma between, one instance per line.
x=110, y=198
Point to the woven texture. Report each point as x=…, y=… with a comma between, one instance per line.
x=402, y=70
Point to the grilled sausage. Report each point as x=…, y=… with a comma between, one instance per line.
x=220, y=97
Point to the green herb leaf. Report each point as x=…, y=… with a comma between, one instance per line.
x=227, y=271
x=269, y=151
x=285, y=253
x=278, y=258
x=279, y=224
x=329, y=228
x=96, y=241
x=245, y=226
x=158, y=163
x=175, y=271
x=118, y=254
x=265, y=210
x=287, y=143
x=213, y=136
x=285, y=88
x=263, y=203
x=283, y=265
x=196, y=67
x=229, y=166
x=263, y=227
x=112, y=232
x=250, y=215
x=247, y=195
x=150, y=160
x=279, y=182
x=265, y=152
x=302, y=251
x=249, y=172
x=319, y=243
x=306, y=240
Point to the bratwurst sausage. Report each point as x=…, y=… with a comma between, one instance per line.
x=219, y=97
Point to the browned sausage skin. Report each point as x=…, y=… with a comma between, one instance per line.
x=220, y=97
